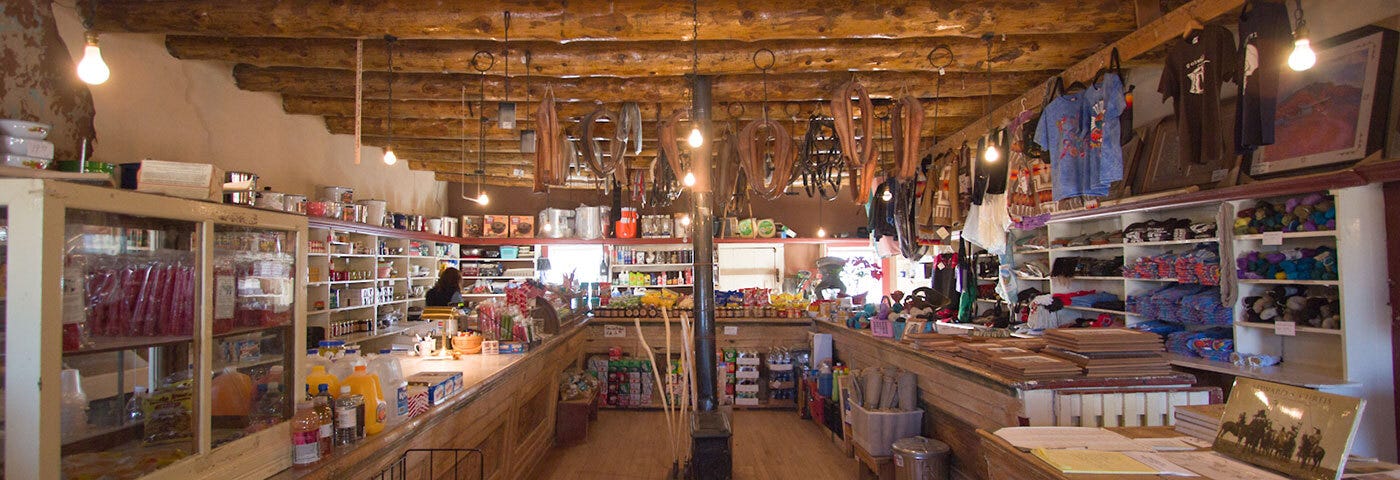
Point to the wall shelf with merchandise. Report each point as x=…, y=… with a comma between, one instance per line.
x=362, y=282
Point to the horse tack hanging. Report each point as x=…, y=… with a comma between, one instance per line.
x=857, y=152
x=821, y=163
x=550, y=164
x=752, y=160
x=907, y=123
x=614, y=166
x=667, y=136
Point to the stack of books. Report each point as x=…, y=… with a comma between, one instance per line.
x=1200, y=421
x=1109, y=352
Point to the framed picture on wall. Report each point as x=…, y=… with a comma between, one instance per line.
x=1328, y=114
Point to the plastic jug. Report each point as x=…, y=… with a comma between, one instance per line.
x=392, y=385
x=231, y=393
x=319, y=376
x=344, y=366
x=366, y=384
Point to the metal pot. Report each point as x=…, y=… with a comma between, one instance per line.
x=374, y=211
x=591, y=222
x=556, y=223
x=337, y=194
x=241, y=197
x=292, y=203
x=270, y=200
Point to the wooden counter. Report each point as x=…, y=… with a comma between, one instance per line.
x=959, y=398
x=506, y=410
x=750, y=333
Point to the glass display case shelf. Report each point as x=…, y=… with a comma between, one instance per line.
x=112, y=344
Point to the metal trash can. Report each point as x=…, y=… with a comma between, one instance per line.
x=920, y=458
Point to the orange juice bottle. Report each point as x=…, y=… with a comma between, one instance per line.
x=319, y=376
x=363, y=383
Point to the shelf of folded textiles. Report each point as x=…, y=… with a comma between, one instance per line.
x=1271, y=281
x=1030, y=251
x=1098, y=310
x=1141, y=279
x=1311, y=234
x=1105, y=246
x=1188, y=241
x=1302, y=375
x=1299, y=329
x=1096, y=278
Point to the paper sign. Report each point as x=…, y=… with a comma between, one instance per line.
x=614, y=331
x=1273, y=238
x=1287, y=329
x=1219, y=175
x=731, y=330
x=1161, y=465
x=225, y=295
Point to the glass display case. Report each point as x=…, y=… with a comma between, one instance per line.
x=167, y=326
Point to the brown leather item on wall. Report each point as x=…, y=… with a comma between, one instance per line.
x=857, y=154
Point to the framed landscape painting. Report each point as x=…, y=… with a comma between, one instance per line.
x=1327, y=114
x=1299, y=432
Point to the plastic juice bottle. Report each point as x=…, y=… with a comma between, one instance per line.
x=306, y=428
x=392, y=385
x=326, y=431
x=319, y=377
x=349, y=416
x=363, y=383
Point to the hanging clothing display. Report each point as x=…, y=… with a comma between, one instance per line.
x=1061, y=133
x=947, y=209
x=1265, y=39
x=1196, y=66
x=1104, y=161
x=1028, y=190
x=987, y=220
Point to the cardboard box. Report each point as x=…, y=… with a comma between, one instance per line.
x=200, y=181
x=440, y=385
x=471, y=226
x=522, y=226
x=495, y=226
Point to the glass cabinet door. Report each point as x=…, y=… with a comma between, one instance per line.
x=130, y=290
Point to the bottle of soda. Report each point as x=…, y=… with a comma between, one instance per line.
x=326, y=432
x=306, y=448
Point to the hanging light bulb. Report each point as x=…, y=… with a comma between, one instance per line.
x=821, y=232
x=389, y=157
x=483, y=199
x=696, y=139
x=1303, y=56
x=685, y=220
x=689, y=179
x=92, y=69
x=991, y=155
x=887, y=196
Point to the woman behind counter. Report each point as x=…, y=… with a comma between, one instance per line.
x=447, y=292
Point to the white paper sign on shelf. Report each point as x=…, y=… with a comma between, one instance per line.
x=614, y=331
x=731, y=330
x=225, y=296
x=1287, y=329
x=1273, y=238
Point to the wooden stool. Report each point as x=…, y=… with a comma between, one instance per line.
x=571, y=420
x=881, y=468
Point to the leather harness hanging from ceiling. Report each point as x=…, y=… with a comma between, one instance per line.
x=549, y=158
x=907, y=123
x=614, y=166
x=752, y=143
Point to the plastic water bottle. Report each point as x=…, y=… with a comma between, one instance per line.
x=270, y=410
x=135, y=407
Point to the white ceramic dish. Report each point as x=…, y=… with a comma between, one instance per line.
x=23, y=129
x=24, y=161
x=28, y=147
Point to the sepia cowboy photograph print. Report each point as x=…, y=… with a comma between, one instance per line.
x=1299, y=432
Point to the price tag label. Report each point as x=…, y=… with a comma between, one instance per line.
x=1273, y=238
x=731, y=330
x=1219, y=175
x=1287, y=329
x=614, y=331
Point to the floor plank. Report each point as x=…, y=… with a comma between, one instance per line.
x=768, y=445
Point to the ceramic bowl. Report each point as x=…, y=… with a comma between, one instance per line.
x=28, y=147
x=27, y=162
x=23, y=129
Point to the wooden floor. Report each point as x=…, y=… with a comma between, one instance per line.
x=768, y=444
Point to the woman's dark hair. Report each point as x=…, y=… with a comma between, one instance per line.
x=449, y=280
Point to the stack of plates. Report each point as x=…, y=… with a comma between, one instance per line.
x=1109, y=352
x=1200, y=421
x=23, y=144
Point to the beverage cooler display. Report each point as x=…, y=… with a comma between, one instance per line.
x=169, y=329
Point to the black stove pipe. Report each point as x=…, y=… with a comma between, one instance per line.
x=702, y=240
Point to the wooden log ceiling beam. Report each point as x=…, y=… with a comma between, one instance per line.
x=470, y=179
x=452, y=129
x=499, y=159
x=445, y=110
x=322, y=82
x=648, y=59
x=1146, y=39
x=455, y=144
x=633, y=20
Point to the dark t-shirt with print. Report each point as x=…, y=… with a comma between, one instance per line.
x=1196, y=67
x=1264, y=45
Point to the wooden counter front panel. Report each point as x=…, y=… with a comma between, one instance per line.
x=955, y=405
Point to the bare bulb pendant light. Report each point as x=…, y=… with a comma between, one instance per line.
x=696, y=138
x=1302, y=57
x=91, y=69
x=389, y=157
x=481, y=197
x=991, y=155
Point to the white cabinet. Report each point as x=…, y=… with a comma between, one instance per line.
x=749, y=266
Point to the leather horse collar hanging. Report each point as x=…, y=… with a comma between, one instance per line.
x=751, y=142
x=626, y=127
x=859, y=154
